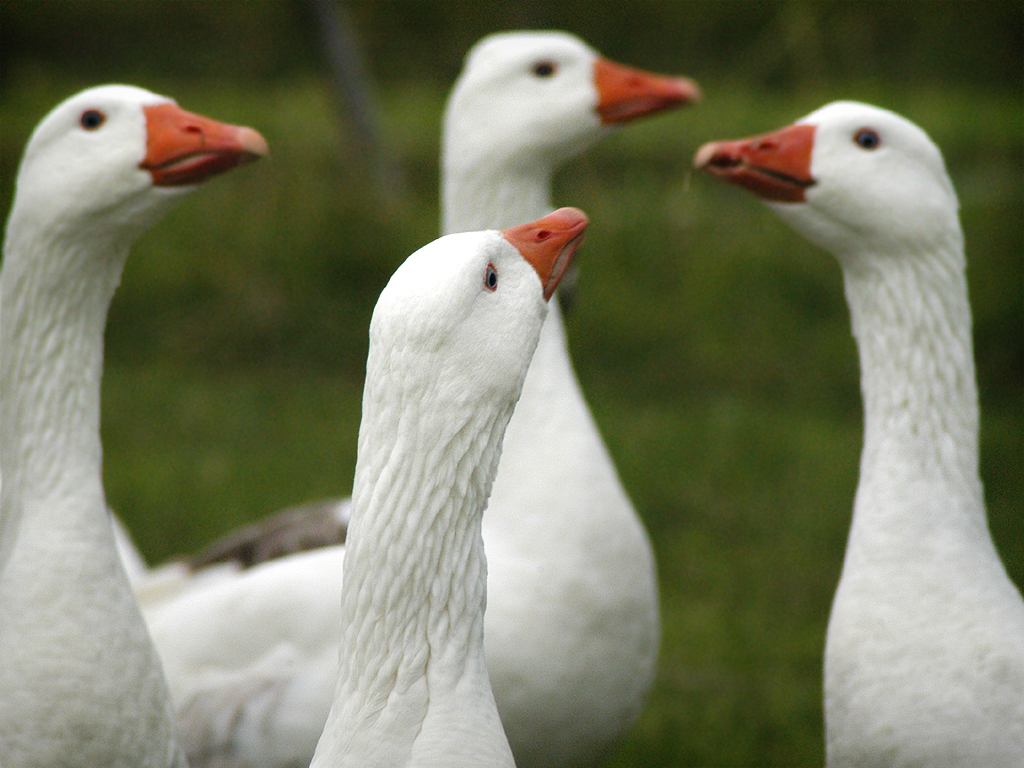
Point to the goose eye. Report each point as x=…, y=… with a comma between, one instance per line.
x=92, y=119
x=866, y=138
x=491, y=278
x=544, y=68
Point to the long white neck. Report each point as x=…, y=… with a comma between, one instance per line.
x=72, y=637
x=413, y=687
x=491, y=195
x=912, y=322
x=925, y=643
x=54, y=309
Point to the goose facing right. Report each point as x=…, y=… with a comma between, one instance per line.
x=451, y=338
x=573, y=645
x=924, y=657
x=80, y=681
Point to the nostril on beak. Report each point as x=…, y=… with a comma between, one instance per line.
x=724, y=161
x=198, y=131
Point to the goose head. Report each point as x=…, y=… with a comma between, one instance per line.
x=466, y=310
x=114, y=158
x=850, y=177
x=528, y=98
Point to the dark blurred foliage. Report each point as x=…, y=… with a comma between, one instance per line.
x=780, y=44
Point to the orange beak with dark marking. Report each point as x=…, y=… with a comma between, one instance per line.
x=184, y=149
x=774, y=166
x=625, y=94
x=549, y=244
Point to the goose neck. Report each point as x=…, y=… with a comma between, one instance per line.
x=53, y=306
x=415, y=572
x=493, y=195
x=912, y=324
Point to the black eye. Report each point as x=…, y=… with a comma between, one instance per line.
x=491, y=278
x=544, y=68
x=92, y=119
x=867, y=139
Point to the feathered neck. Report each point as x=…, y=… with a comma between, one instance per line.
x=414, y=561
x=912, y=322
x=479, y=195
x=415, y=576
x=54, y=295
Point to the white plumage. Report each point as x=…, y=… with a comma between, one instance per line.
x=450, y=342
x=572, y=620
x=80, y=681
x=924, y=660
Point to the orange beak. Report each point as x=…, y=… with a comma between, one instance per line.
x=549, y=244
x=185, y=149
x=774, y=166
x=625, y=94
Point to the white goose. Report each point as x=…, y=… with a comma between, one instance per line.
x=572, y=620
x=80, y=681
x=924, y=660
x=450, y=342
x=573, y=648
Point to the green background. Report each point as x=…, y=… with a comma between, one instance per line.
x=712, y=341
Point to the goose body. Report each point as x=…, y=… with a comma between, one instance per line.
x=573, y=648
x=572, y=621
x=450, y=341
x=80, y=681
x=924, y=658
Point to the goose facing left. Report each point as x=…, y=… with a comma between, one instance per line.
x=80, y=681
x=924, y=654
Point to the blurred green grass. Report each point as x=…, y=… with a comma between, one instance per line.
x=713, y=344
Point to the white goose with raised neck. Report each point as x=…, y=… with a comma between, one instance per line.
x=450, y=342
x=570, y=562
x=924, y=658
x=80, y=681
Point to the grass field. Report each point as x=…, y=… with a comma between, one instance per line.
x=712, y=341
